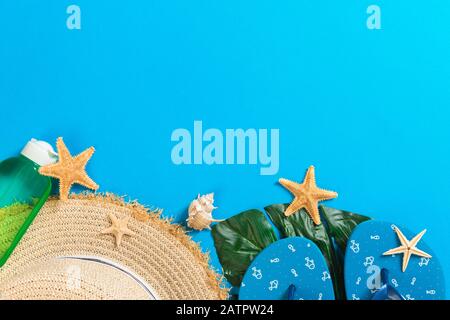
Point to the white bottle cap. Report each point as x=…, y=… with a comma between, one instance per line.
x=40, y=152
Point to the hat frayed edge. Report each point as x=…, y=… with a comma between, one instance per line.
x=145, y=214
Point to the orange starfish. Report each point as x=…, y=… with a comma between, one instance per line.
x=70, y=170
x=408, y=248
x=307, y=195
x=118, y=228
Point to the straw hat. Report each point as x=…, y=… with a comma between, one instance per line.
x=67, y=253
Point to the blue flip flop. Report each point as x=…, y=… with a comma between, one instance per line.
x=377, y=266
x=289, y=269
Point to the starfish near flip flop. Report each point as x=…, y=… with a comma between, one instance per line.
x=407, y=248
x=307, y=195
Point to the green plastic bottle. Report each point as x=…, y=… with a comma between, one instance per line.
x=23, y=191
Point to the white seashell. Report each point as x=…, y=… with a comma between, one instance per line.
x=200, y=212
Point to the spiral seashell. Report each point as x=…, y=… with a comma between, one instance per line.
x=200, y=212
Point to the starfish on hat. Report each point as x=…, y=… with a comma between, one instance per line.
x=118, y=228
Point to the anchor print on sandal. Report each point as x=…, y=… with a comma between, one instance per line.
x=384, y=261
x=289, y=269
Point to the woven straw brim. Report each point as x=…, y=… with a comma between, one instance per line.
x=72, y=279
x=159, y=252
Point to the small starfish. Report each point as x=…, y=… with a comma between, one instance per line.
x=70, y=170
x=408, y=248
x=307, y=195
x=118, y=228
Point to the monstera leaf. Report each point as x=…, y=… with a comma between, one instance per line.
x=341, y=224
x=239, y=239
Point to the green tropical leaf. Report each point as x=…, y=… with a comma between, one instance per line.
x=301, y=225
x=340, y=224
x=239, y=239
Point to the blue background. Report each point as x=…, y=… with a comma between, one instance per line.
x=369, y=108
